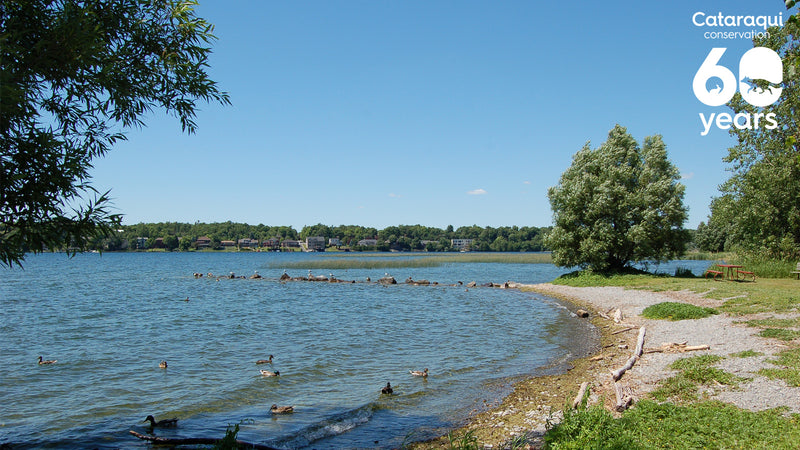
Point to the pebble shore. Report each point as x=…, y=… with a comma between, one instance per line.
x=524, y=413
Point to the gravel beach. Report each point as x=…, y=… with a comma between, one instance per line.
x=534, y=401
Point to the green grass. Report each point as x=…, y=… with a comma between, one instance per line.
x=677, y=311
x=765, y=267
x=777, y=295
x=627, y=278
x=775, y=323
x=746, y=354
x=693, y=373
x=789, y=360
x=341, y=261
x=467, y=441
x=712, y=425
x=683, y=272
x=706, y=256
x=780, y=333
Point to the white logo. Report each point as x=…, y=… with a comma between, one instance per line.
x=760, y=75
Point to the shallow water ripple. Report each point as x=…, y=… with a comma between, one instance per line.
x=109, y=319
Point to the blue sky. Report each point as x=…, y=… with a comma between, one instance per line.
x=438, y=113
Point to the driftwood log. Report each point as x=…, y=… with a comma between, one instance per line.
x=637, y=353
x=623, y=330
x=677, y=347
x=581, y=393
x=195, y=441
x=624, y=396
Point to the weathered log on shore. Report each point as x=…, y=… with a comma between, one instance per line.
x=624, y=397
x=195, y=441
x=677, y=347
x=623, y=330
x=637, y=353
x=581, y=393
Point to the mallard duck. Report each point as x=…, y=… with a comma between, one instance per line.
x=387, y=389
x=165, y=423
x=45, y=361
x=162, y=364
x=418, y=373
x=265, y=361
x=275, y=409
x=267, y=373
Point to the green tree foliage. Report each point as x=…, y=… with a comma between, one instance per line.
x=402, y=237
x=618, y=204
x=75, y=74
x=710, y=238
x=759, y=206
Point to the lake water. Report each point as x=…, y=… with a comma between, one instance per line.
x=110, y=319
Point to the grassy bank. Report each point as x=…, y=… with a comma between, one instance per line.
x=775, y=295
x=674, y=416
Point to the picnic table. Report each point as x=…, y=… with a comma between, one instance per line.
x=731, y=272
x=729, y=269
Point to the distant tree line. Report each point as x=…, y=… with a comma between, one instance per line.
x=182, y=236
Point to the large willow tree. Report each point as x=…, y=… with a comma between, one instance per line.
x=73, y=75
x=618, y=204
x=759, y=206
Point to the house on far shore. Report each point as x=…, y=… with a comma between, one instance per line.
x=461, y=244
x=367, y=243
x=203, y=242
x=334, y=242
x=227, y=243
x=289, y=243
x=248, y=243
x=271, y=243
x=315, y=243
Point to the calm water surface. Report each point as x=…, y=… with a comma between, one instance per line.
x=109, y=319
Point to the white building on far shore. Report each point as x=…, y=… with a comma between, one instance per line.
x=461, y=244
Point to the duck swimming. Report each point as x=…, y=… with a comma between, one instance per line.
x=163, y=365
x=265, y=361
x=45, y=361
x=275, y=409
x=165, y=423
x=267, y=373
x=387, y=389
x=418, y=373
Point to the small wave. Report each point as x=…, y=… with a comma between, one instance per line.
x=333, y=426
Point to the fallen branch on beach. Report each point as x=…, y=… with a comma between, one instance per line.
x=195, y=441
x=677, y=347
x=624, y=396
x=581, y=393
x=637, y=353
x=623, y=330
